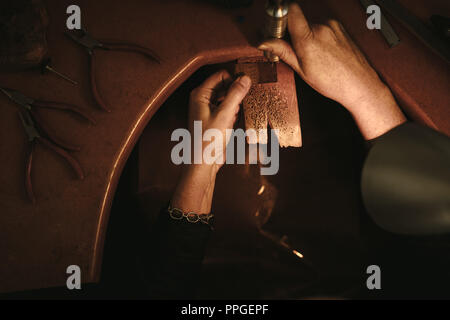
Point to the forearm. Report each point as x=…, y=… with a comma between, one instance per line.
x=195, y=190
x=378, y=114
x=180, y=239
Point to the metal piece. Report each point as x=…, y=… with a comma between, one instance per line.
x=387, y=30
x=258, y=70
x=61, y=75
x=18, y=98
x=418, y=28
x=45, y=66
x=276, y=22
x=275, y=104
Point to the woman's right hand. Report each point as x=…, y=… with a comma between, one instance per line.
x=331, y=63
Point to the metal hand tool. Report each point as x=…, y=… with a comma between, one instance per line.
x=46, y=66
x=35, y=138
x=29, y=104
x=84, y=39
x=417, y=27
x=387, y=30
x=276, y=20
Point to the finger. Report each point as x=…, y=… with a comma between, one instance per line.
x=283, y=50
x=200, y=98
x=338, y=29
x=334, y=24
x=298, y=25
x=345, y=38
x=237, y=92
x=205, y=91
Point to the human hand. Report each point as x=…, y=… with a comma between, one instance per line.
x=195, y=189
x=216, y=104
x=331, y=63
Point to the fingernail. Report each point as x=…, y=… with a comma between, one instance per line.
x=263, y=47
x=245, y=81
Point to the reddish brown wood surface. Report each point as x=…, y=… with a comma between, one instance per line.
x=68, y=223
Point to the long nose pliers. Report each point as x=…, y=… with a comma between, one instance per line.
x=34, y=137
x=32, y=124
x=31, y=105
x=91, y=44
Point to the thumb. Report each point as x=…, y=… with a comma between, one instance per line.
x=283, y=50
x=237, y=92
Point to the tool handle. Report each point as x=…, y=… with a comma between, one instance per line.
x=64, y=107
x=94, y=89
x=130, y=47
x=51, y=134
x=28, y=182
x=70, y=160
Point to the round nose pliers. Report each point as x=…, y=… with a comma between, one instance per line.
x=91, y=44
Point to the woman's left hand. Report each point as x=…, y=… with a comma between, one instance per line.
x=195, y=189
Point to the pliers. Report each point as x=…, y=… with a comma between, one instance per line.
x=86, y=40
x=34, y=138
x=30, y=105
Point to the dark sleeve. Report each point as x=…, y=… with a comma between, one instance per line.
x=406, y=181
x=178, y=251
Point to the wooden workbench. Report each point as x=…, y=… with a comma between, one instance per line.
x=68, y=224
